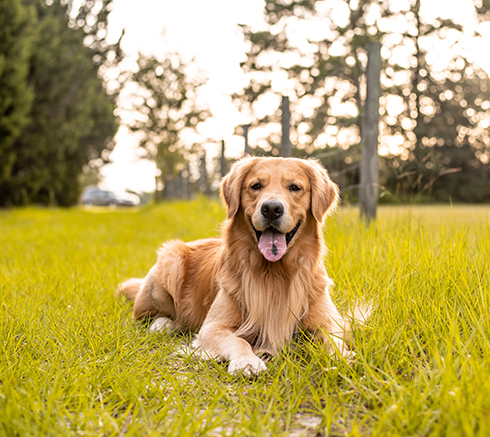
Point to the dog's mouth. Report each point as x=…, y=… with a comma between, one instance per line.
x=272, y=243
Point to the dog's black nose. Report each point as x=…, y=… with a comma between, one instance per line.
x=272, y=210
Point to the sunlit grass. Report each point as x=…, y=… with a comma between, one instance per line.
x=73, y=362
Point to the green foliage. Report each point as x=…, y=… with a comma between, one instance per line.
x=317, y=76
x=71, y=120
x=441, y=130
x=165, y=101
x=16, y=21
x=93, y=18
x=73, y=361
x=443, y=124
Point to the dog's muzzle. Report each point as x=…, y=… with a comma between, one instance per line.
x=272, y=210
x=272, y=243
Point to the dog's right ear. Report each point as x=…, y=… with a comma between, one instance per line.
x=231, y=185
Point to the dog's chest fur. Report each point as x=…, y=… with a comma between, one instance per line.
x=271, y=305
x=273, y=297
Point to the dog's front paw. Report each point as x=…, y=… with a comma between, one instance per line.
x=246, y=365
x=340, y=349
x=161, y=324
x=349, y=355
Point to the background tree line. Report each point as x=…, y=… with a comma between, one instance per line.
x=435, y=108
x=57, y=108
x=55, y=113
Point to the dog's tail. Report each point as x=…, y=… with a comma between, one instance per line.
x=129, y=288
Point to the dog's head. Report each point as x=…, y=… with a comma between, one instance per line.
x=277, y=196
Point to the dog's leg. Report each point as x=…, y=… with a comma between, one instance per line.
x=154, y=301
x=217, y=339
x=164, y=324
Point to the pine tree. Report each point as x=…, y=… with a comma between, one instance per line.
x=93, y=18
x=15, y=93
x=71, y=120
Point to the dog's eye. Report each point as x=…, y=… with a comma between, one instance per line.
x=257, y=186
x=294, y=187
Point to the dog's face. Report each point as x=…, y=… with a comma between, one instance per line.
x=277, y=196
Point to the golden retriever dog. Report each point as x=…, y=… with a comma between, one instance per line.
x=251, y=289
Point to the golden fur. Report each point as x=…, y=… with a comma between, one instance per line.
x=242, y=302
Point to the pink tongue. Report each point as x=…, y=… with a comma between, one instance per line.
x=272, y=244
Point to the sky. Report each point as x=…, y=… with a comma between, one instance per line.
x=208, y=31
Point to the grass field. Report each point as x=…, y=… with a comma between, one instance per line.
x=73, y=363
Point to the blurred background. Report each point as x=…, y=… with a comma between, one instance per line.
x=120, y=102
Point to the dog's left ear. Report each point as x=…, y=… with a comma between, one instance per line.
x=231, y=185
x=324, y=193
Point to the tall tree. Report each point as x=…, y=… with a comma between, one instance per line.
x=164, y=106
x=443, y=111
x=16, y=95
x=71, y=118
x=316, y=49
x=92, y=17
x=316, y=60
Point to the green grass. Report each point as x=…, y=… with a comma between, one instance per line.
x=73, y=363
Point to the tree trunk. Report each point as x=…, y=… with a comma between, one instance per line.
x=370, y=128
x=179, y=189
x=286, y=149
x=222, y=160
x=204, y=186
x=416, y=76
x=245, y=128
